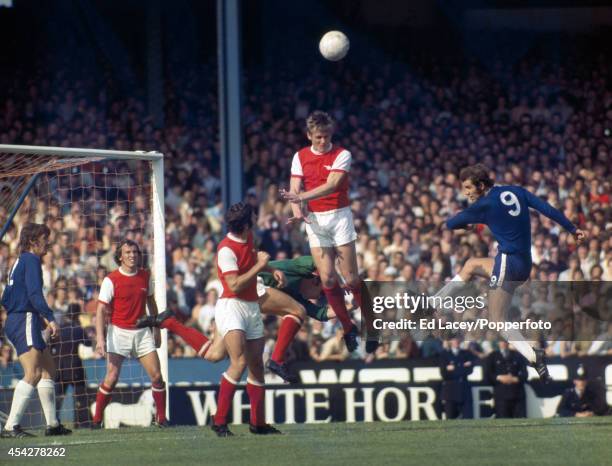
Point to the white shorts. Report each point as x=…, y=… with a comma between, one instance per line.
x=261, y=288
x=330, y=229
x=236, y=314
x=138, y=342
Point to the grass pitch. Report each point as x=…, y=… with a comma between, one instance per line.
x=481, y=442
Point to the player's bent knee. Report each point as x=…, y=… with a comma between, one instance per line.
x=298, y=311
x=214, y=356
x=469, y=265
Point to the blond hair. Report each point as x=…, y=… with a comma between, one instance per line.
x=319, y=120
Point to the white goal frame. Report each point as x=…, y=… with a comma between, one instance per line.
x=157, y=198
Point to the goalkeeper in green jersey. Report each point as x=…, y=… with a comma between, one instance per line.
x=303, y=285
x=291, y=304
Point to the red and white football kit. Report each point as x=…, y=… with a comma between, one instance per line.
x=238, y=311
x=331, y=219
x=126, y=294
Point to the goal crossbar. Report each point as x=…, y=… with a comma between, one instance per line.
x=78, y=152
x=67, y=157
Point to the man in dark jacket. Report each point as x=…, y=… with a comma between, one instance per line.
x=70, y=371
x=456, y=365
x=580, y=400
x=506, y=370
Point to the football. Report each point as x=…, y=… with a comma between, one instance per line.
x=334, y=45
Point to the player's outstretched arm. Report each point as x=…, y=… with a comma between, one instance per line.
x=554, y=214
x=549, y=211
x=470, y=216
x=580, y=236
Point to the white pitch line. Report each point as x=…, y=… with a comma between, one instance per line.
x=119, y=440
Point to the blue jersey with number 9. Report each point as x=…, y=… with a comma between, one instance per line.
x=505, y=210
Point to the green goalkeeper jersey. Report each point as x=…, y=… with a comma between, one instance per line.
x=295, y=270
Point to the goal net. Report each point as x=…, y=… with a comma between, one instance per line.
x=90, y=200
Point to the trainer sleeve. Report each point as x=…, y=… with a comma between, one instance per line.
x=107, y=291
x=227, y=261
x=342, y=162
x=34, y=286
x=296, y=167
x=470, y=216
x=549, y=211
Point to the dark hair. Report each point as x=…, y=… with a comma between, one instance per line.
x=477, y=174
x=319, y=120
x=30, y=233
x=239, y=217
x=127, y=242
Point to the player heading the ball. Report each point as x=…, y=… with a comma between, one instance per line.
x=322, y=169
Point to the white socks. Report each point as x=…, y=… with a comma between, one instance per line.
x=516, y=339
x=46, y=393
x=21, y=397
x=450, y=287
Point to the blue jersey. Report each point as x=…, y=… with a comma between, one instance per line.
x=24, y=290
x=505, y=210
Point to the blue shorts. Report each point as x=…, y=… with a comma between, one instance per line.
x=510, y=271
x=24, y=331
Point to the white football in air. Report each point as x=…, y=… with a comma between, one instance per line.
x=334, y=45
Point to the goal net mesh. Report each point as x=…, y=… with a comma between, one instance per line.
x=90, y=204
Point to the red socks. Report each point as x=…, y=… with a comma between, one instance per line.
x=335, y=298
x=159, y=395
x=191, y=336
x=103, y=397
x=224, y=402
x=257, y=397
x=364, y=301
x=289, y=327
x=356, y=290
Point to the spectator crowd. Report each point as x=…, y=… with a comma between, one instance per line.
x=410, y=129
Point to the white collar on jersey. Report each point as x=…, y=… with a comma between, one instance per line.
x=312, y=149
x=233, y=237
x=125, y=273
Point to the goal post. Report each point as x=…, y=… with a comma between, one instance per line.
x=34, y=180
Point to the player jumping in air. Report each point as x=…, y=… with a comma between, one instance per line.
x=505, y=210
x=291, y=304
x=28, y=313
x=124, y=293
x=238, y=318
x=323, y=169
